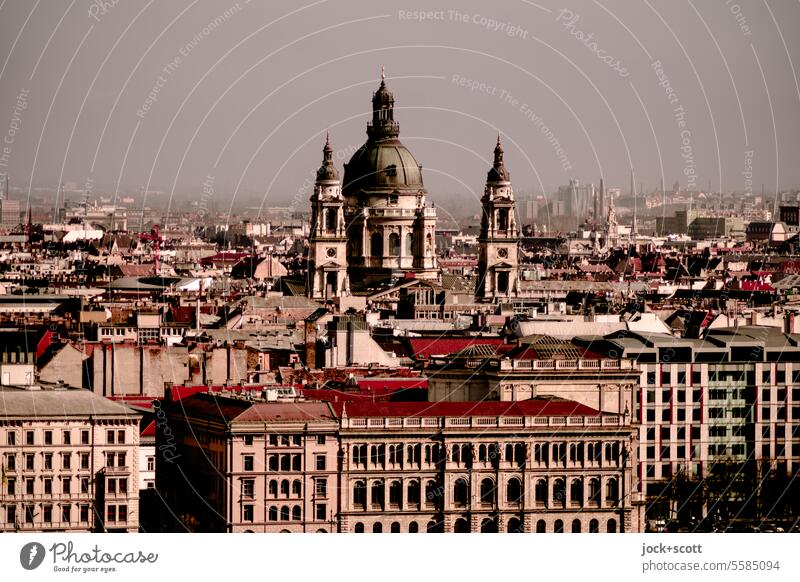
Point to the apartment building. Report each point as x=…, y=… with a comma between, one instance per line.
x=719, y=421
x=69, y=461
x=236, y=462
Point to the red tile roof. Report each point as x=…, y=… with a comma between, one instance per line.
x=533, y=407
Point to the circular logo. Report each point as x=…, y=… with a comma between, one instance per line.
x=31, y=555
x=331, y=252
x=502, y=253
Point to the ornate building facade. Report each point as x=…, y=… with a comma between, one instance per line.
x=498, y=261
x=391, y=227
x=327, y=263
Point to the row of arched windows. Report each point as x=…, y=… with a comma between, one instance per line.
x=377, y=493
x=398, y=454
x=284, y=513
x=559, y=453
x=376, y=244
x=284, y=488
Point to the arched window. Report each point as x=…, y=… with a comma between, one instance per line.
x=273, y=462
x=594, y=526
x=487, y=491
x=358, y=528
x=492, y=453
x=466, y=455
x=285, y=488
x=377, y=527
x=433, y=527
x=409, y=250
x=541, y=526
x=482, y=453
x=394, y=244
x=296, y=463
x=460, y=492
x=502, y=218
x=540, y=493
x=514, y=526
x=519, y=454
x=559, y=492
x=611, y=526
x=576, y=526
x=431, y=492
x=273, y=488
x=273, y=513
x=330, y=219
x=612, y=490
x=594, y=491
x=360, y=494
x=509, y=453
x=576, y=491
x=395, y=493
x=377, y=494
x=456, y=454
x=562, y=453
x=285, y=463
x=513, y=490
x=297, y=488
x=395, y=527
x=285, y=513
x=376, y=244
x=461, y=526
x=296, y=513
x=413, y=492
x=489, y=525
x=413, y=527
x=428, y=244
x=558, y=526
x=609, y=453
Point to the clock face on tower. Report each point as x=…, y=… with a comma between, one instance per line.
x=502, y=253
x=331, y=252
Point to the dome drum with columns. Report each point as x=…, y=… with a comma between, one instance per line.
x=379, y=226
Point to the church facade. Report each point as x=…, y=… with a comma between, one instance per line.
x=377, y=225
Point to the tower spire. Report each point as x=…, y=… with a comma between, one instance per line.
x=383, y=73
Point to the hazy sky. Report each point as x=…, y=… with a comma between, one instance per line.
x=245, y=91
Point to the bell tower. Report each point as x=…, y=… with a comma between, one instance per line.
x=327, y=258
x=498, y=261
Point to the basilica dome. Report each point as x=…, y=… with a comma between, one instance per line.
x=383, y=163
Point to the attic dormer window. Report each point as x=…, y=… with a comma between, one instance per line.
x=394, y=199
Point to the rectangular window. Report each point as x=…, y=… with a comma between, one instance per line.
x=84, y=484
x=29, y=485
x=110, y=434
x=111, y=514
x=48, y=486
x=320, y=462
x=48, y=461
x=66, y=513
x=248, y=462
x=29, y=509
x=84, y=513
x=48, y=437
x=121, y=437
x=29, y=460
x=297, y=440
x=66, y=460
x=651, y=378
x=28, y=437
x=66, y=485
x=247, y=513
x=320, y=511
x=320, y=439
x=273, y=440
x=11, y=486
x=696, y=378
x=66, y=436
x=84, y=437
x=665, y=433
x=666, y=395
x=11, y=438
x=84, y=460
x=151, y=463
x=47, y=513
x=11, y=514
x=321, y=487
x=248, y=440
x=681, y=415
x=248, y=488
